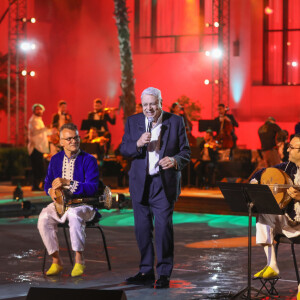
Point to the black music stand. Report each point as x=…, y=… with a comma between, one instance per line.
x=249, y=198
x=204, y=125
x=87, y=124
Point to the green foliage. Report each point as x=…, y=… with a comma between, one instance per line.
x=191, y=108
x=13, y=162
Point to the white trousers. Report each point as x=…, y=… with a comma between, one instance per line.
x=77, y=216
x=267, y=226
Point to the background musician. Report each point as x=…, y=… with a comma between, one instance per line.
x=106, y=116
x=76, y=172
x=37, y=145
x=268, y=226
x=206, y=165
x=225, y=123
x=93, y=137
x=62, y=116
x=267, y=135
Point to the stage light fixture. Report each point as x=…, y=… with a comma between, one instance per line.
x=206, y=82
x=30, y=73
x=18, y=193
x=30, y=20
x=27, y=46
x=207, y=53
x=294, y=64
x=216, y=24
x=268, y=10
x=217, y=53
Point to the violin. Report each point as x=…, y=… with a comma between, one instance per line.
x=279, y=182
x=224, y=136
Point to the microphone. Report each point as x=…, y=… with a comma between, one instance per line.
x=150, y=121
x=149, y=127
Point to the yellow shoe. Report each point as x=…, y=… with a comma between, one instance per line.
x=269, y=272
x=260, y=273
x=55, y=269
x=78, y=270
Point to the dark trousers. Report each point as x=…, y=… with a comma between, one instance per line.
x=38, y=170
x=154, y=205
x=206, y=173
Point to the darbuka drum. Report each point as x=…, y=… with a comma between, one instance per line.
x=62, y=202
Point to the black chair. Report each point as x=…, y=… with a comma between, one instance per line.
x=280, y=238
x=91, y=224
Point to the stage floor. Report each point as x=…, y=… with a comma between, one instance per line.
x=210, y=256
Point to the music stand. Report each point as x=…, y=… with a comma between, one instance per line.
x=249, y=198
x=87, y=124
x=204, y=125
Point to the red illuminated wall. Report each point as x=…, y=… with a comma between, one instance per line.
x=77, y=59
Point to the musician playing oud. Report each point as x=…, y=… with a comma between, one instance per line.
x=75, y=172
x=267, y=226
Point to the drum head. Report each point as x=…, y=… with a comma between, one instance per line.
x=107, y=198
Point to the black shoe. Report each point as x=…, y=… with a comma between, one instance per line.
x=141, y=278
x=162, y=283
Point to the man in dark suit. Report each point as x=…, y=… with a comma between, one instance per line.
x=158, y=155
x=62, y=116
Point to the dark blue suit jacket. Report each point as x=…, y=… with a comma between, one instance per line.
x=173, y=143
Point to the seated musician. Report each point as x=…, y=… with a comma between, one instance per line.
x=93, y=137
x=76, y=172
x=205, y=167
x=106, y=116
x=268, y=226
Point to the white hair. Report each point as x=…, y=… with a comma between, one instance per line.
x=154, y=92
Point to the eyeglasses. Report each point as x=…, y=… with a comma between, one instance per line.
x=69, y=139
x=292, y=147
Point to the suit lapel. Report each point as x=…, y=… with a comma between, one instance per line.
x=165, y=130
x=141, y=124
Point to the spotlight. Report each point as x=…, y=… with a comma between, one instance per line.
x=31, y=20
x=207, y=81
x=207, y=53
x=216, y=24
x=27, y=46
x=217, y=53
x=294, y=64
x=268, y=10
x=30, y=73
